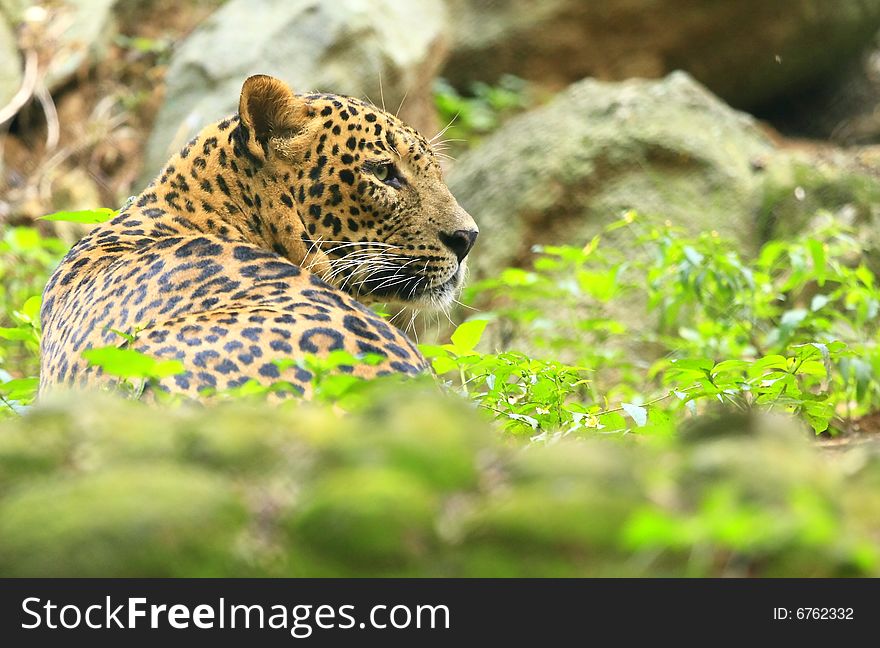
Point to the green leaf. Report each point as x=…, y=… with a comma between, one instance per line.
x=729, y=365
x=774, y=361
x=812, y=368
x=337, y=358
x=88, y=216
x=865, y=276
x=467, y=335
x=20, y=388
x=817, y=252
x=432, y=350
x=659, y=423
x=31, y=309
x=128, y=363
x=128, y=337
x=692, y=364
x=443, y=364
x=335, y=386
x=371, y=359
x=18, y=334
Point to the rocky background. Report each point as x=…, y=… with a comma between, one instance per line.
x=746, y=118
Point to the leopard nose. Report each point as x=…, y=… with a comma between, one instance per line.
x=460, y=242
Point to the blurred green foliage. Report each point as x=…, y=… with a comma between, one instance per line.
x=793, y=329
x=481, y=110
x=417, y=484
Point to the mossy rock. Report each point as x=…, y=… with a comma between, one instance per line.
x=367, y=520
x=418, y=484
x=156, y=520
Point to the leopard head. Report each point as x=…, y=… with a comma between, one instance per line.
x=361, y=191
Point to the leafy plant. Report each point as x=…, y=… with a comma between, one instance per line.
x=26, y=259
x=645, y=338
x=85, y=216
x=482, y=109
x=598, y=339
x=794, y=330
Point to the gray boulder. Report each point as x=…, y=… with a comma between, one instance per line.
x=346, y=47
x=668, y=149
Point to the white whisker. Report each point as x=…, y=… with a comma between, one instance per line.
x=465, y=305
x=445, y=128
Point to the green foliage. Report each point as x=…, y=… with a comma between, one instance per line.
x=482, y=109
x=128, y=363
x=132, y=369
x=26, y=259
x=793, y=330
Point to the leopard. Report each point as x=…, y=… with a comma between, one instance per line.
x=268, y=239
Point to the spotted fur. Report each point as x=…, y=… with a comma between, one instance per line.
x=260, y=241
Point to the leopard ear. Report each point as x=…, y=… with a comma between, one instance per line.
x=270, y=110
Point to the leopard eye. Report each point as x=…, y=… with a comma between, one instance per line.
x=386, y=172
x=382, y=172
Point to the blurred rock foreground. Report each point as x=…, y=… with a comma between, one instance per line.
x=102, y=487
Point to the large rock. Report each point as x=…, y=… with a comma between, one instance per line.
x=803, y=181
x=371, y=48
x=668, y=149
x=665, y=148
x=748, y=52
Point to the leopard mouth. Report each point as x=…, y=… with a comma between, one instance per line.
x=450, y=288
x=440, y=296
x=415, y=289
